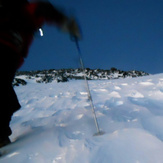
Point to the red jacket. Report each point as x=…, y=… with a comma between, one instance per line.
x=18, y=31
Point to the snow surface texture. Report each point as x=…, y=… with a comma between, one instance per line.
x=55, y=123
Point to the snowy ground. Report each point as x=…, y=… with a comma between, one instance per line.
x=55, y=124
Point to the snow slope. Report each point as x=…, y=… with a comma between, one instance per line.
x=55, y=123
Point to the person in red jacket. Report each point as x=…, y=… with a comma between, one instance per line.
x=19, y=20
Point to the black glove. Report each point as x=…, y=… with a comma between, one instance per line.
x=72, y=28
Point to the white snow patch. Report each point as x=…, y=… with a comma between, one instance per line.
x=115, y=94
x=146, y=83
x=136, y=94
x=55, y=123
x=124, y=84
x=83, y=93
x=117, y=88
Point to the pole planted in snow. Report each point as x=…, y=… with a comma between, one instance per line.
x=87, y=87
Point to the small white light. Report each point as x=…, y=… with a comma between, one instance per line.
x=41, y=32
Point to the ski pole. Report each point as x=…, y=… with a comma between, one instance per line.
x=87, y=87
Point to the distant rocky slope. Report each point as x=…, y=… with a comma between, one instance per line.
x=64, y=75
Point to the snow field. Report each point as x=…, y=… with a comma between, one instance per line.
x=55, y=123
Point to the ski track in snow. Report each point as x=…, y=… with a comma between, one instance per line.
x=55, y=123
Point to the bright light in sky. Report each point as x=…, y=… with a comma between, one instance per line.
x=41, y=32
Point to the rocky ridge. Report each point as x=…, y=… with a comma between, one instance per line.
x=64, y=75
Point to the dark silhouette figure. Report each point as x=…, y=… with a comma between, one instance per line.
x=19, y=20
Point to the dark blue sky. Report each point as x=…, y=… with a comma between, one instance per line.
x=126, y=34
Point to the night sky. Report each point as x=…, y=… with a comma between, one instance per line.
x=126, y=34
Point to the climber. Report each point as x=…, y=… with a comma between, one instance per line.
x=19, y=21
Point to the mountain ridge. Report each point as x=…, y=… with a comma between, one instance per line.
x=64, y=75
